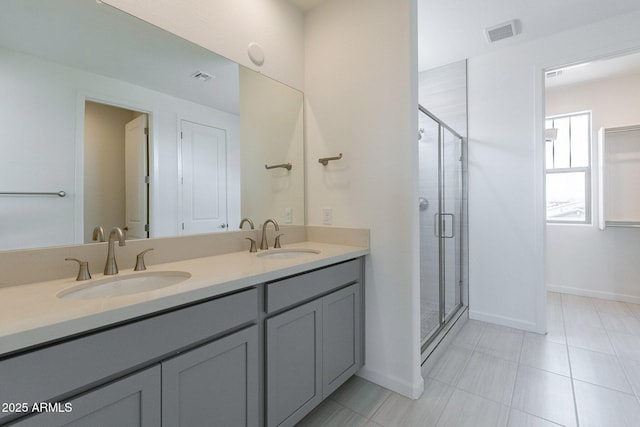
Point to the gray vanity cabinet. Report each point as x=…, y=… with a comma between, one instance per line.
x=294, y=354
x=133, y=401
x=341, y=337
x=315, y=347
x=214, y=385
x=198, y=363
x=265, y=355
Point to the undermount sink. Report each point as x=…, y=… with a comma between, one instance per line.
x=125, y=285
x=287, y=253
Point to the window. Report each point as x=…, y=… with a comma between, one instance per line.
x=567, y=149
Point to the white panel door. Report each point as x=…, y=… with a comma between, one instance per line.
x=204, y=178
x=136, y=187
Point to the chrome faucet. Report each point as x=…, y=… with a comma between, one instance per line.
x=246, y=220
x=111, y=268
x=263, y=243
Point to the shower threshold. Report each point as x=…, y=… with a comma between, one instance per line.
x=444, y=333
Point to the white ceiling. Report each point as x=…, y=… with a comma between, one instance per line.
x=452, y=30
x=100, y=39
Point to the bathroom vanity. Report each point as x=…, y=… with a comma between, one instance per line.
x=261, y=348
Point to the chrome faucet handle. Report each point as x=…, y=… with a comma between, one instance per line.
x=253, y=247
x=83, y=271
x=140, y=266
x=276, y=244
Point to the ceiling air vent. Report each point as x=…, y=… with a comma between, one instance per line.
x=501, y=31
x=203, y=76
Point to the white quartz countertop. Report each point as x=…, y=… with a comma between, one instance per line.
x=33, y=314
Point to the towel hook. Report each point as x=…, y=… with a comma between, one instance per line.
x=325, y=160
x=286, y=166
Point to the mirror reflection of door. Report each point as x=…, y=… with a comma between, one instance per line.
x=115, y=167
x=204, y=178
x=136, y=181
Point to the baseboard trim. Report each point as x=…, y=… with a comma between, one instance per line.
x=503, y=320
x=412, y=391
x=594, y=294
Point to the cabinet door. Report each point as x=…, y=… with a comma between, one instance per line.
x=133, y=401
x=213, y=385
x=294, y=363
x=341, y=339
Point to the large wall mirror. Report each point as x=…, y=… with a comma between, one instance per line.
x=106, y=120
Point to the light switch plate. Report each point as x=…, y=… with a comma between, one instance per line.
x=327, y=216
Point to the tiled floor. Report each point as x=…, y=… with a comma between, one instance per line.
x=584, y=372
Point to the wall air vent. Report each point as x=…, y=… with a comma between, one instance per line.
x=203, y=76
x=501, y=31
x=554, y=73
x=550, y=134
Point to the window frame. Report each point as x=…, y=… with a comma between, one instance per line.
x=583, y=169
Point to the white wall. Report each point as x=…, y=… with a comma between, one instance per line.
x=506, y=209
x=41, y=132
x=271, y=129
x=227, y=28
x=361, y=100
x=583, y=259
x=33, y=137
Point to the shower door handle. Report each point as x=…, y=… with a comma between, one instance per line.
x=453, y=225
x=441, y=217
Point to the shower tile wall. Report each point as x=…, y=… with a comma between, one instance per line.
x=443, y=91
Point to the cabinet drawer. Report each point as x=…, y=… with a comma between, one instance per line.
x=293, y=290
x=82, y=363
x=130, y=401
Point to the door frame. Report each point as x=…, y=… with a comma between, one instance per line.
x=81, y=99
x=540, y=167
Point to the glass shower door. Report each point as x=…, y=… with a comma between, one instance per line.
x=451, y=195
x=440, y=187
x=429, y=189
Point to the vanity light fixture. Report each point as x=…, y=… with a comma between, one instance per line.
x=203, y=76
